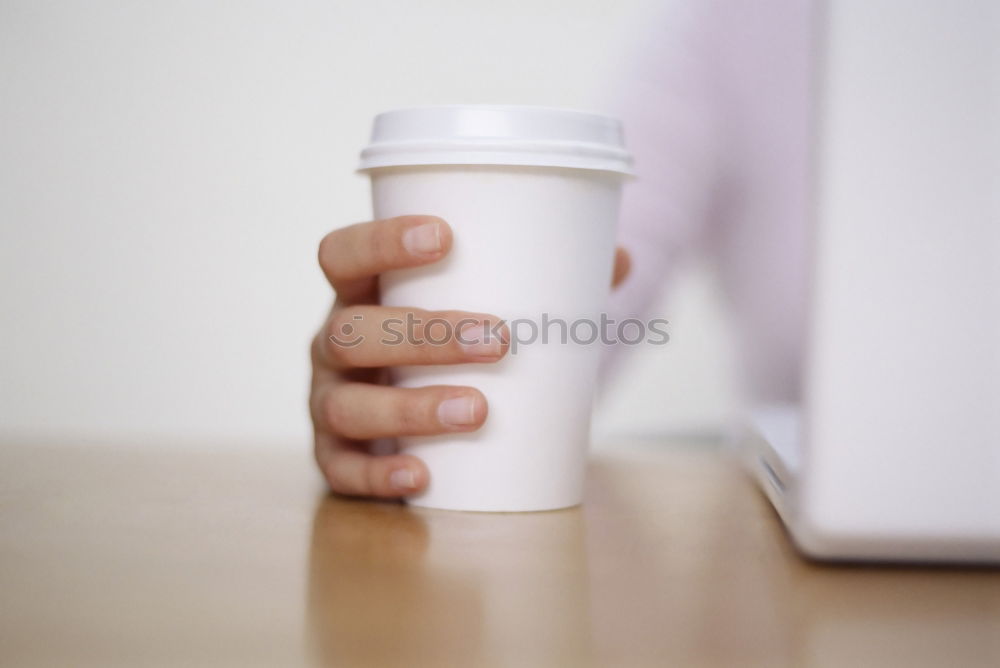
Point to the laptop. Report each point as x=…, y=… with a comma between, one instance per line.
x=893, y=452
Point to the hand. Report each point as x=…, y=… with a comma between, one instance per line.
x=349, y=401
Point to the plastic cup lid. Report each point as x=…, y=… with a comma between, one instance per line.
x=496, y=135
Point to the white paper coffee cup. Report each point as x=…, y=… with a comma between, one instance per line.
x=532, y=196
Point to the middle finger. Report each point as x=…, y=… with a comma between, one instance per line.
x=378, y=336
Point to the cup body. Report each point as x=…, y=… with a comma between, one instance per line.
x=534, y=246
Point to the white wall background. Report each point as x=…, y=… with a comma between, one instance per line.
x=167, y=169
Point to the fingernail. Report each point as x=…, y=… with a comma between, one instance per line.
x=423, y=239
x=403, y=479
x=457, y=412
x=479, y=341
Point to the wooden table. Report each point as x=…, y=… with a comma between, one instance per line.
x=174, y=556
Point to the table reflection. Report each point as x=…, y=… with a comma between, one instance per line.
x=391, y=585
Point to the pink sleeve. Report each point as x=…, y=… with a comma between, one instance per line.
x=717, y=112
x=668, y=105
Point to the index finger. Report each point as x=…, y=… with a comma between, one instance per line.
x=352, y=257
